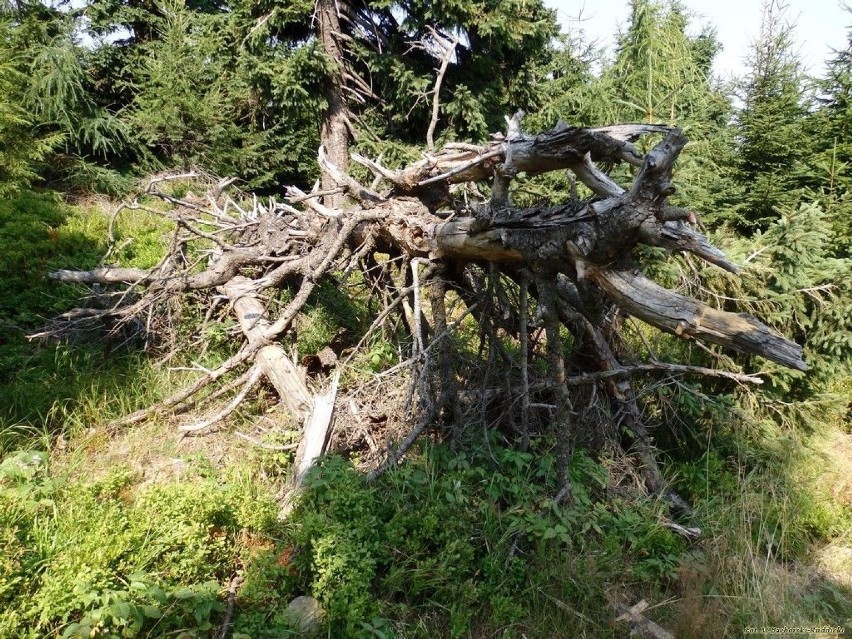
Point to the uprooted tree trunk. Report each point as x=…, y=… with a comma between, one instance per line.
x=528, y=276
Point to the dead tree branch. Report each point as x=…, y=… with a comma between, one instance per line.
x=557, y=265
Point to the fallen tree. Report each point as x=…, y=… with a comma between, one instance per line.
x=530, y=277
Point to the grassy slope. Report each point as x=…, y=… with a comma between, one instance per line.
x=138, y=533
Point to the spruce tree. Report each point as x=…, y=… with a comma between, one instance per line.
x=20, y=148
x=273, y=73
x=53, y=117
x=183, y=111
x=770, y=134
x=829, y=172
x=662, y=74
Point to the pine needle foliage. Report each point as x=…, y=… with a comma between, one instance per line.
x=69, y=133
x=21, y=148
x=830, y=127
x=184, y=112
x=771, y=140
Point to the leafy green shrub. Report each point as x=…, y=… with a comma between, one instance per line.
x=457, y=542
x=186, y=610
x=100, y=557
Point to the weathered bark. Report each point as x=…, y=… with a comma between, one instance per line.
x=312, y=445
x=103, y=275
x=640, y=624
x=689, y=318
x=553, y=236
x=449, y=48
x=288, y=382
x=563, y=148
x=334, y=130
x=274, y=362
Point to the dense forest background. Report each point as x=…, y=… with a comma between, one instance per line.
x=138, y=532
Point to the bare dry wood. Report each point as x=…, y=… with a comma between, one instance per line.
x=102, y=275
x=661, y=367
x=690, y=318
x=691, y=533
x=449, y=49
x=312, y=445
x=254, y=376
x=274, y=362
x=639, y=623
x=561, y=148
x=225, y=628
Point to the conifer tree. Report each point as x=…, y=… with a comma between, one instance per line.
x=771, y=140
x=662, y=74
x=20, y=148
x=275, y=71
x=830, y=128
x=183, y=110
x=59, y=125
